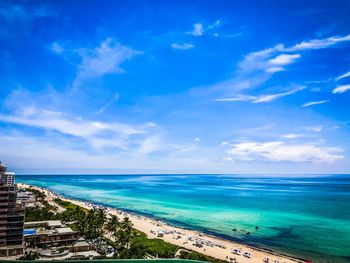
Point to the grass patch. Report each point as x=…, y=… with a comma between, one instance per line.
x=68, y=205
x=192, y=255
x=154, y=247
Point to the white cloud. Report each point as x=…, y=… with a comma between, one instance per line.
x=341, y=89
x=292, y=136
x=228, y=159
x=278, y=151
x=112, y=101
x=318, y=128
x=284, y=59
x=150, y=144
x=343, y=76
x=96, y=133
x=215, y=24
x=258, y=61
x=96, y=62
x=17, y=13
x=256, y=68
x=261, y=98
x=268, y=59
x=319, y=43
x=198, y=30
x=102, y=60
x=238, y=98
x=255, y=130
x=312, y=103
x=183, y=46
x=14, y=12
x=56, y=48
x=272, y=97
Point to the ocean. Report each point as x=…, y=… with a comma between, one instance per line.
x=307, y=217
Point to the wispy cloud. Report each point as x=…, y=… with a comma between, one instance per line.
x=318, y=128
x=343, y=76
x=96, y=62
x=96, y=133
x=341, y=89
x=279, y=151
x=312, y=103
x=198, y=30
x=13, y=12
x=183, y=46
x=273, y=59
x=215, y=24
x=17, y=18
x=284, y=59
x=319, y=43
x=292, y=136
x=113, y=100
x=261, y=98
x=256, y=68
x=102, y=60
x=254, y=130
x=56, y=48
x=266, y=61
x=18, y=13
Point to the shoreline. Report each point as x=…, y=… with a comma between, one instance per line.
x=213, y=245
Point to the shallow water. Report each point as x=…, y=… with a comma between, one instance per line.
x=306, y=217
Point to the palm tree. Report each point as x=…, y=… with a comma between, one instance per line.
x=92, y=225
x=124, y=233
x=99, y=220
x=112, y=224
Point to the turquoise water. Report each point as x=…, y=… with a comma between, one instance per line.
x=305, y=217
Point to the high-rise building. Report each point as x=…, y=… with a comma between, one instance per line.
x=8, y=178
x=11, y=217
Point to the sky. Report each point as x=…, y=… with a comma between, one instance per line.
x=253, y=87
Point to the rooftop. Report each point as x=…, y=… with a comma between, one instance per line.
x=48, y=223
x=64, y=230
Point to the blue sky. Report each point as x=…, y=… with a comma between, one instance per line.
x=175, y=86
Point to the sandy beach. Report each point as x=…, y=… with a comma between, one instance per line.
x=186, y=238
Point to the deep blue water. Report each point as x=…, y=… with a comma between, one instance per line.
x=306, y=217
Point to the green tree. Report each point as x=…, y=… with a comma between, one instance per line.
x=112, y=224
x=91, y=224
x=124, y=233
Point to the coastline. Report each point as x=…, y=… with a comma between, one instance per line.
x=217, y=247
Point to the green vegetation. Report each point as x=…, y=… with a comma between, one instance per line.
x=93, y=224
x=140, y=246
x=63, y=203
x=192, y=255
x=112, y=224
x=68, y=205
x=46, y=212
x=39, y=214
